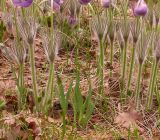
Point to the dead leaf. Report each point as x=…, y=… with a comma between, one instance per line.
x=129, y=119
x=15, y=132
x=51, y=120
x=2, y=134
x=10, y=121
x=33, y=124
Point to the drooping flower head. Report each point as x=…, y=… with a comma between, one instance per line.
x=124, y=30
x=135, y=28
x=84, y=2
x=74, y=10
x=8, y=21
x=141, y=8
x=27, y=28
x=156, y=47
x=142, y=45
x=51, y=44
x=157, y=13
x=99, y=26
x=22, y=3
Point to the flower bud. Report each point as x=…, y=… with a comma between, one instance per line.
x=157, y=45
x=84, y=2
x=22, y=3
x=105, y=3
x=141, y=8
x=56, y=6
x=72, y=20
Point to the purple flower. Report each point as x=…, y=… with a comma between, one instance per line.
x=72, y=20
x=105, y=3
x=56, y=4
x=59, y=1
x=22, y=3
x=84, y=2
x=141, y=8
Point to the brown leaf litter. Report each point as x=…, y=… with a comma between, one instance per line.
x=129, y=119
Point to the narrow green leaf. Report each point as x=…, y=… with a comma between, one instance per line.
x=61, y=95
x=78, y=95
x=2, y=104
x=69, y=91
x=88, y=99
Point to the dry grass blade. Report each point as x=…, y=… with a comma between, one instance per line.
x=129, y=119
x=114, y=86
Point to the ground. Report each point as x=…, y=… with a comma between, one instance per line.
x=110, y=120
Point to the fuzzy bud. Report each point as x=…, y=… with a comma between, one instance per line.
x=141, y=8
x=84, y=2
x=72, y=21
x=105, y=3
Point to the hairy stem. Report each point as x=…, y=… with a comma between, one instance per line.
x=124, y=61
x=33, y=72
x=138, y=86
x=64, y=126
x=101, y=68
x=21, y=86
x=131, y=68
x=124, y=55
x=52, y=82
x=152, y=85
x=50, y=87
x=111, y=58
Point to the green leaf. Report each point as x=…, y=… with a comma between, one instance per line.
x=2, y=29
x=69, y=91
x=90, y=110
x=88, y=99
x=86, y=117
x=61, y=95
x=82, y=109
x=78, y=95
x=2, y=104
